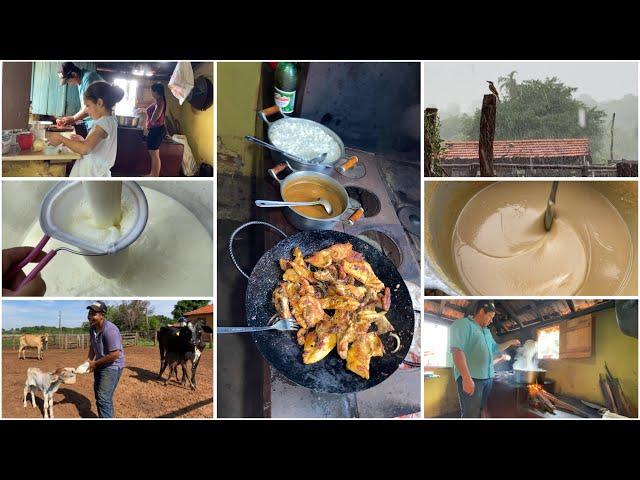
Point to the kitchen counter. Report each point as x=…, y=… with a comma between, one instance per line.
x=37, y=164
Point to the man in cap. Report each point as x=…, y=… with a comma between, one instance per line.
x=106, y=357
x=70, y=74
x=474, y=353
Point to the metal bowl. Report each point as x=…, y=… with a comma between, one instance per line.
x=126, y=121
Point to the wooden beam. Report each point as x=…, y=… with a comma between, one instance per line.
x=512, y=313
x=572, y=306
x=487, y=133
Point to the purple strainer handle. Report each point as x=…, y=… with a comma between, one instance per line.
x=33, y=254
x=32, y=274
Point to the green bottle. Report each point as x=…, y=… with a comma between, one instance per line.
x=286, y=81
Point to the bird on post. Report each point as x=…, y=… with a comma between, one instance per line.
x=493, y=89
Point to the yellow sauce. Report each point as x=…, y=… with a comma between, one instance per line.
x=309, y=191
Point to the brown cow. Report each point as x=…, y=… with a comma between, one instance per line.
x=33, y=341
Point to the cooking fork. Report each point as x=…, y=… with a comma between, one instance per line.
x=284, y=325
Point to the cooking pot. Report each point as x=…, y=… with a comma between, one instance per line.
x=529, y=376
x=443, y=202
x=127, y=121
x=304, y=222
x=326, y=166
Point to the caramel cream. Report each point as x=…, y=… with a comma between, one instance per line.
x=500, y=246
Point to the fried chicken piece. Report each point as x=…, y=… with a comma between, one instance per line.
x=334, y=253
x=362, y=272
x=345, y=289
x=339, y=302
x=308, y=311
x=327, y=275
x=382, y=323
x=290, y=275
x=361, y=351
x=386, y=299
x=351, y=334
x=281, y=301
x=283, y=264
x=317, y=345
x=300, y=335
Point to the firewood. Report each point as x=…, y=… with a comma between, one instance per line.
x=618, y=394
x=606, y=393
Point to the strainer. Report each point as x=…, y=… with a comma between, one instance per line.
x=60, y=199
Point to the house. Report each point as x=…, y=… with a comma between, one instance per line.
x=537, y=158
x=586, y=349
x=203, y=313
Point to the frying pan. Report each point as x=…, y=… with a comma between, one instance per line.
x=281, y=350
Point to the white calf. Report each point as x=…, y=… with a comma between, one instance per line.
x=48, y=383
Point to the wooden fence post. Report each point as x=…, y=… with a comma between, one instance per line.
x=487, y=133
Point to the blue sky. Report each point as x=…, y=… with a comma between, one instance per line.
x=25, y=313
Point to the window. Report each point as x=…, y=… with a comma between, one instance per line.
x=436, y=344
x=549, y=342
x=127, y=105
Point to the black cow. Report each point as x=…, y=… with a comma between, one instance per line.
x=178, y=345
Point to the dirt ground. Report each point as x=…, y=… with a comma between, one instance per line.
x=138, y=395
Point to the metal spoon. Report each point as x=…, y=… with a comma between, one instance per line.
x=315, y=160
x=275, y=203
x=550, y=212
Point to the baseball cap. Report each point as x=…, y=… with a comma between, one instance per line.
x=486, y=305
x=65, y=70
x=98, y=306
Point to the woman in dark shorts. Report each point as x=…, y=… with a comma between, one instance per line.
x=155, y=125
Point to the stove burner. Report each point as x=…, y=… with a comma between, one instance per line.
x=410, y=218
x=383, y=243
x=364, y=198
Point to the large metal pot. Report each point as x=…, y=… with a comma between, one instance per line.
x=443, y=202
x=127, y=121
x=530, y=376
x=303, y=222
x=291, y=162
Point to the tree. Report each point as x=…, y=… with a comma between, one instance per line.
x=157, y=321
x=184, y=306
x=539, y=109
x=130, y=316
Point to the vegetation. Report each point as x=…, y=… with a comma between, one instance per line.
x=537, y=109
x=184, y=306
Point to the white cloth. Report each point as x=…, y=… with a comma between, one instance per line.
x=189, y=165
x=181, y=82
x=99, y=161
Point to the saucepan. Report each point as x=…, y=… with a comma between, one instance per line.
x=529, y=377
x=333, y=189
x=340, y=164
x=127, y=121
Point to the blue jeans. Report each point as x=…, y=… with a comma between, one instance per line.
x=471, y=405
x=105, y=383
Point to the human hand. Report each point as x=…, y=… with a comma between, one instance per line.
x=515, y=342
x=64, y=121
x=53, y=138
x=10, y=258
x=92, y=366
x=468, y=386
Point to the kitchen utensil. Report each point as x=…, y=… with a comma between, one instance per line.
x=127, y=121
x=291, y=161
x=25, y=140
x=284, y=353
x=274, y=203
x=550, y=212
x=304, y=222
x=39, y=128
x=313, y=161
x=283, y=325
x=107, y=259
x=627, y=317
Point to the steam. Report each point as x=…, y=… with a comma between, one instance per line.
x=527, y=356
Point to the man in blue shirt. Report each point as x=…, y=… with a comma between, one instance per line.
x=474, y=353
x=70, y=74
x=106, y=357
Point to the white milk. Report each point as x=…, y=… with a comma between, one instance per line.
x=172, y=257
x=105, y=200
